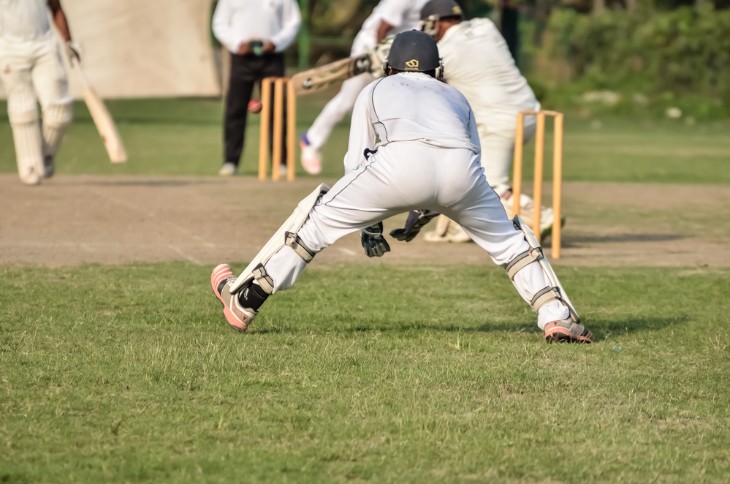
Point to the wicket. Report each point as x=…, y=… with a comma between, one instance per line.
x=538, y=174
x=279, y=85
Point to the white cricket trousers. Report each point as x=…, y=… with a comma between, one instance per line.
x=412, y=175
x=498, y=149
x=38, y=76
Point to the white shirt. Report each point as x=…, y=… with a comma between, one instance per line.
x=238, y=21
x=401, y=14
x=478, y=63
x=409, y=106
x=23, y=23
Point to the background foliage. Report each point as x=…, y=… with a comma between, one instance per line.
x=652, y=56
x=673, y=58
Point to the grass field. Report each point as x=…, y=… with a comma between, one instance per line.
x=366, y=372
x=183, y=137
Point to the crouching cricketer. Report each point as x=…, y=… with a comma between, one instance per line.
x=414, y=148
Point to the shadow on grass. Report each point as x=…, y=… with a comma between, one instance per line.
x=602, y=329
x=143, y=181
x=597, y=239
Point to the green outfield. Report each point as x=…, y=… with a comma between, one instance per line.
x=374, y=371
x=183, y=137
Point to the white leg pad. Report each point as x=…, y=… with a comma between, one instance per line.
x=284, y=237
x=554, y=290
x=56, y=119
x=28, y=144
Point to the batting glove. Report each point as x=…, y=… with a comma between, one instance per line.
x=414, y=222
x=73, y=51
x=373, y=242
x=379, y=56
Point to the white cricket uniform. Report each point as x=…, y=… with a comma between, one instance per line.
x=426, y=156
x=31, y=70
x=238, y=21
x=478, y=63
x=402, y=15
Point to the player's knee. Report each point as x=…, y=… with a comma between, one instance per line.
x=58, y=115
x=25, y=114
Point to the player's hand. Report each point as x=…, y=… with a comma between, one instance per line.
x=73, y=51
x=268, y=47
x=373, y=242
x=414, y=222
x=244, y=49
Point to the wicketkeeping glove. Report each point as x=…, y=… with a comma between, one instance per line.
x=414, y=222
x=373, y=242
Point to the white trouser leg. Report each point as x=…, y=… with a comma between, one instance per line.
x=403, y=176
x=484, y=219
x=336, y=109
x=498, y=151
x=23, y=115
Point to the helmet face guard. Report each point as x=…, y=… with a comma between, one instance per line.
x=430, y=25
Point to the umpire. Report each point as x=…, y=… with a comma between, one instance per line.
x=256, y=34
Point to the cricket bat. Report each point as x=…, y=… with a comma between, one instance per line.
x=320, y=78
x=103, y=121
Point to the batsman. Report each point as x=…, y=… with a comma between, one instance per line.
x=32, y=72
x=414, y=148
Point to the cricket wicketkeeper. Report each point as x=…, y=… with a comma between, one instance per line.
x=414, y=147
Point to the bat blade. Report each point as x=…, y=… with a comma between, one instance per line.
x=104, y=123
x=320, y=78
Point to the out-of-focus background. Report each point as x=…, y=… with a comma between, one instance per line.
x=665, y=57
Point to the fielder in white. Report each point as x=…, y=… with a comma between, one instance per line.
x=389, y=17
x=478, y=63
x=32, y=71
x=413, y=146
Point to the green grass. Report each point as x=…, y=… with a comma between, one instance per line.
x=184, y=137
x=365, y=372
x=130, y=374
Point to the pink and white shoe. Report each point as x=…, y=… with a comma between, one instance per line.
x=567, y=331
x=311, y=157
x=238, y=317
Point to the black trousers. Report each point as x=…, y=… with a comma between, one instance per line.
x=246, y=72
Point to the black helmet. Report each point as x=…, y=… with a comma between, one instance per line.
x=435, y=10
x=413, y=51
x=441, y=9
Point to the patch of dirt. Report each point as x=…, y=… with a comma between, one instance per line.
x=206, y=220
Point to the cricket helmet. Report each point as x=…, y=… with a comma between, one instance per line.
x=435, y=10
x=413, y=51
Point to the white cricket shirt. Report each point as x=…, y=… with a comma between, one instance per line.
x=478, y=63
x=24, y=24
x=238, y=21
x=410, y=106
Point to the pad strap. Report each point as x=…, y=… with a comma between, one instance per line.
x=544, y=296
x=522, y=260
x=292, y=240
x=264, y=279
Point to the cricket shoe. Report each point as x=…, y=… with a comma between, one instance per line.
x=49, y=167
x=228, y=169
x=238, y=317
x=527, y=211
x=311, y=157
x=567, y=331
x=454, y=234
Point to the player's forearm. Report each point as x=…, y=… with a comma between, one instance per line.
x=59, y=19
x=383, y=30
